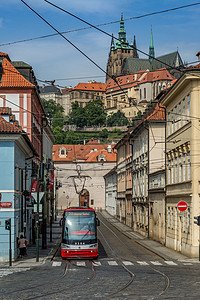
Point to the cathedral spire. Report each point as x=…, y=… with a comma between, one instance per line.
x=151, y=48
x=122, y=31
x=112, y=47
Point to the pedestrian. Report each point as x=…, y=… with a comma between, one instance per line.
x=22, y=242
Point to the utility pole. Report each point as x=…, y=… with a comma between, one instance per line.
x=37, y=218
x=44, y=238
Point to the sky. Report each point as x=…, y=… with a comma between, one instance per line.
x=53, y=58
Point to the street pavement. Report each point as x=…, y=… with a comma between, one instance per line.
x=44, y=254
x=156, y=247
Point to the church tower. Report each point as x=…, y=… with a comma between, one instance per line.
x=120, y=52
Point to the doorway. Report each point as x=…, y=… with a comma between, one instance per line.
x=85, y=198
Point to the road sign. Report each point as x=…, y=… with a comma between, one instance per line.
x=41, y=194
x=182, y=205
x=6, y=204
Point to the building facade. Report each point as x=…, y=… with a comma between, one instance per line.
x=182, y=161
x=111, y=191
x=80, y=170
x=85, y=92
x=15, y=151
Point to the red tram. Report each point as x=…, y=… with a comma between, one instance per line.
x=79, y=233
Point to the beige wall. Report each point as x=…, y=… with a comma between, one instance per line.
x=67, y=196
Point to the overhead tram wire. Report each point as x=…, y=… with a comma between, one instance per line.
x=105, y=24
x=92, y=61
x=108, y=34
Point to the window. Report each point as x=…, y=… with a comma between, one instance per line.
x=176, y=175
x=184, y=167
x=169, y=173
x=172, y=218
x=188, y=106
x=172, y=121
x=180, y=170
x=179, y=114
x=175, y=117
x=189, y=166
x=144, y=93
x=168, y=122
x=172, y=172
x=183, y=111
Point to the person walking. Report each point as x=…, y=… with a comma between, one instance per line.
x=22, y=242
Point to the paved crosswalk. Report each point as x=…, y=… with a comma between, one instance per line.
x=6, y=272
x=127, y=263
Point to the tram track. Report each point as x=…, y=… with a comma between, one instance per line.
x=76, y=285
x=167, y=280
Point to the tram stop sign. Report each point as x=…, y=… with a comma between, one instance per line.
x=182, y=205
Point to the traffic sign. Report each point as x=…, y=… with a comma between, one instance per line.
x=41, y=194
x=182, y=205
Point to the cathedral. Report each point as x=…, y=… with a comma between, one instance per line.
x=124, y=59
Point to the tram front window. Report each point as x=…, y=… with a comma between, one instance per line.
x=79, y=226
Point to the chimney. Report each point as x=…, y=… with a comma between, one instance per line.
x=198, y=55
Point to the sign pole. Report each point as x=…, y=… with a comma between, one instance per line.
x=10, y=246
x=37, y=219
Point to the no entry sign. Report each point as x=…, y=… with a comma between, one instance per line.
x=182, y=205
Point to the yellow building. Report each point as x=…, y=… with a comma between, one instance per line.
x=183, y=162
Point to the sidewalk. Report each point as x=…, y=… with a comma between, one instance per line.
x=44, y=254
x=156, y=247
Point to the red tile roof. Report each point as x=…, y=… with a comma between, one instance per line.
x=84, y=153
x=7, y=127
x=158, y=114
x=161, y=74
x=93, y=86
x=125, y=81
x=11, y=76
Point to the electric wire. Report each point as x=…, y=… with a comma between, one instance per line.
x=108, y=34
x=104, y=24
x=92, y=61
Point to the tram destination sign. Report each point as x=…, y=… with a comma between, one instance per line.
x=182, y=205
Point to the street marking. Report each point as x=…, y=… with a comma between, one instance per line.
x=143, y=263
x=56, y=263
x=97, y=263
x=80, y=263
x=171, y=263
x=156, y=263
x=127, y=263
x=6, y=272
x=187, y=264
x=112, y=263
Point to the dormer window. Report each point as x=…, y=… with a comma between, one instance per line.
x=101, y=157
x=62, y=152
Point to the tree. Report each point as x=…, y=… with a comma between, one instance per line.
x=78, y=116
x=51, y=108
x=97, y=115
x=117, y=119
x=59, y=134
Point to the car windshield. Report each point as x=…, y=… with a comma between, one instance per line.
x=79, y=226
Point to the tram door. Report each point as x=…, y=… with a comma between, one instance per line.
x=84, y=201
